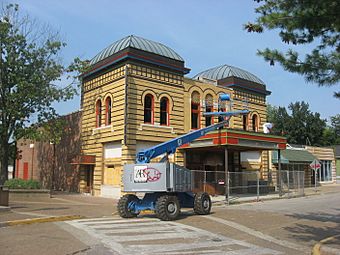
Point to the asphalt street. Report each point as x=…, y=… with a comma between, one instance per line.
x=285, y=226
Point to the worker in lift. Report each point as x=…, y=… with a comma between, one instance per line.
x=267, y=127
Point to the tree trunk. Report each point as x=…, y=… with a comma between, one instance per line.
x=4, y=155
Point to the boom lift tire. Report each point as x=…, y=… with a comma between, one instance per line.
x=202, y=203
x=123, y=206
x=167, y=207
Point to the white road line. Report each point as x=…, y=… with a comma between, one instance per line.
x=161, y=248
x=138, y=230
x=158, y=236
x=116, y=220
x=211, y=252
x=257, y=234
x=127, y=238
x=124, y=225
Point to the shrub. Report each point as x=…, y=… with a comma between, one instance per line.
x=22, y=184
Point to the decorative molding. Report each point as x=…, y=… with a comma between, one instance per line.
x=156, y=125
x=99, y=129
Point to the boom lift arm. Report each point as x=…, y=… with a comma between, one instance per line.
x=170, y=147
x=167, y=187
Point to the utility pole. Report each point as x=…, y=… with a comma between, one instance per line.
x=52, y=171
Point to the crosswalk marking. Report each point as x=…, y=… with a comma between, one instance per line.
x=124, y=225
x=151, y=236
x=160, y=229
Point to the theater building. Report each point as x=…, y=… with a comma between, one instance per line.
x=136, y=94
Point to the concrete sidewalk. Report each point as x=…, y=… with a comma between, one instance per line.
x=62, y=204
x=250, y=198
x=66, y=204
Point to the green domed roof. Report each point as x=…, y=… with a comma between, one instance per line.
x=225, y=71
x=137, y=43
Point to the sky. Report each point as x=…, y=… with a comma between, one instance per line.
x=205, y=33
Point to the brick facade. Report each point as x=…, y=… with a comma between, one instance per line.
x=38, y=159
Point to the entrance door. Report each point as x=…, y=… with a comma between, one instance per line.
x=214, y=174
x=25, y=174
x=235, y=172
x=89, y=178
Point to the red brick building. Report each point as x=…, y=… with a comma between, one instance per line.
x=46, y=162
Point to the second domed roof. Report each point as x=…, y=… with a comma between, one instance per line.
x=225, y=71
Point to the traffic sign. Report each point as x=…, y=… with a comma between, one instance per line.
x=315, y=165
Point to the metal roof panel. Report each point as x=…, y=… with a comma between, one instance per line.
x=225, y=71
x=137, y=43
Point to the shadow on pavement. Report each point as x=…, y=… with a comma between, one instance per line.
x=315, y=228
x=50, y=209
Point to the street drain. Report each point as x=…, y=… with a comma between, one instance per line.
x=216, y=240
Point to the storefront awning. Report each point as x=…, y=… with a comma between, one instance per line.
x=289, y=156
x=241, y=140
x=84, y=160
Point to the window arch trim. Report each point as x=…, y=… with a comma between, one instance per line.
x=209, y=107
x=149, y=109
x=108, y=111
x=165, y=113
x=255, y=122
x=98, y=113
x=195, y=111
x=245, y=122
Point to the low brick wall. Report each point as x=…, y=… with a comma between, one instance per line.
x=17, y=194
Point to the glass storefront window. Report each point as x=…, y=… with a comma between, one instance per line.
x=325, y=171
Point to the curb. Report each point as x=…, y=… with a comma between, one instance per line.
x=250, y=201
x=317, y=247
x=4, y=208
x=40, y=220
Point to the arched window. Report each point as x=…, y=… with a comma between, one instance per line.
x=108, y=109
x=195, y=110
x=164, y=117
x=255, y=124
x=245, y=121
x=209, y=104
x=221, y=108
x=98, y=113
x=148, y=109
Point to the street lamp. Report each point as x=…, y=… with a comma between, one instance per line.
x=52, y=172
x=32, y=163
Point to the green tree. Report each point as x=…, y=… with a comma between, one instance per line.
x=328, y=137
x=280, y=118
x=300, y=127
x=306, y=127
x=29, y=66
x=299, y=22
x=331, y=135
x=335, y=124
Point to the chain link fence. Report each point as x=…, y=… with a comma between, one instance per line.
x=291, y=183
x=233, y=187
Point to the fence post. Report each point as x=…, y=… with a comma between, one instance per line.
x=315, y=178
x=288, y=183
x=303, y=183
x=258, y=185
x=279, y=170
x=228, y=188
x=205, y=180
x=298, y=186
x=226, y=172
